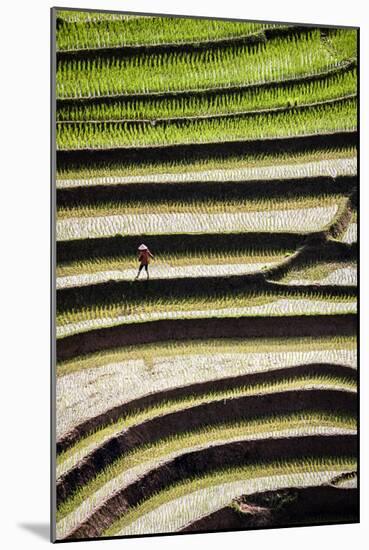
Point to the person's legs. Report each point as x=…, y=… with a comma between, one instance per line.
x=139, y=270
x=147, y=270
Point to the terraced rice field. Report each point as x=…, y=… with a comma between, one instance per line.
x=339, y=273
x=221, y=392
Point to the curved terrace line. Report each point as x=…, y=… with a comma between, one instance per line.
x=199, y=151
x=273, y=267
x=83, y=511
x=343, y=277
x=265, y=33
x=210, y=459
x=184, y=355
x=208, y=327
x=177, y=514
x=263, y=98
x=340, y=67
x=331, y=168
x=120, y=444
x=263, y=273
x=314, y=218
x=160, y=272
x=221, y=410
x=313, y=420
x=312, y=252
x=231, y=114
x=293, y=506
x=215, y=196
x=88, y=468
x=276, y=308
x=79, y=298
x=89, y=401
x=106, y=249
x=268, y=139
x=85, y=249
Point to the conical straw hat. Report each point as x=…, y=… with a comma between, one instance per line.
x=142, y=247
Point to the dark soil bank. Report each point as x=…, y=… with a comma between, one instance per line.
x=193, y=192
x=210, y=386
x=294, y=506
x=112, y=292
x=163, y=245
x=314, y=251
x=206, y=414
x=197, y=151
x=199, y=463
x=186, y=329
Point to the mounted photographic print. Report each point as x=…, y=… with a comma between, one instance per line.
x=204, y=201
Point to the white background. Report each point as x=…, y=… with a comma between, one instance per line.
x=24, y=269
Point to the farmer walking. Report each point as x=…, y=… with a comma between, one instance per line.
x=144, y=256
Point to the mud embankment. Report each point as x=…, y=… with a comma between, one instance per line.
x=193, y=192
x=314, y=251
x=192, y=329
x=206, y=288
x=200, y=151
x=202, y=388
x=184, y=244
x=199, y=463
x=193, y=418
x=283, y=508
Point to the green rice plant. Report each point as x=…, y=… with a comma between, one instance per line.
x=270, y=471
x=343, y=43
x=104, y=432
x=336, y=273
x=91, y=399
x=112, y=314
x=187, y=258
x=135, y=101
x=145, y=456
x=193, y=205
x=191, y=221
x=278, y=60
x=328, y=168
x=249, y=100
x=116, y=304
x=81, y=16
x=332, y=117
x=87, y=392
x=148, y=353
x=228, y=168
x=237, y=267
x=84, y=33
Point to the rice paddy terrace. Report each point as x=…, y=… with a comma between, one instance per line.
x=221, y=393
